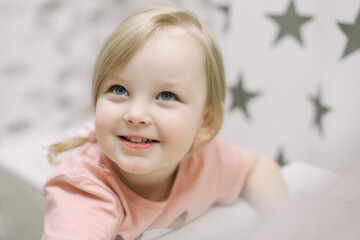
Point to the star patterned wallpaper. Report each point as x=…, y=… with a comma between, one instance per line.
x=293, y=70
x=292, y=67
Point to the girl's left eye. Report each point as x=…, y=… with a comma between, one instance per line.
x=167, y=96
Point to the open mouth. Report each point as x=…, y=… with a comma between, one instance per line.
x=138, y=140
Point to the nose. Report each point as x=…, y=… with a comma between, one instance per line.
x=137, y=114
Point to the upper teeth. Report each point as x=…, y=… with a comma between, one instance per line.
x=138, y=140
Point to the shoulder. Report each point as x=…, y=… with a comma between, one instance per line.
x=72, y=203
x=84, y=162
x=85, y=171
x=76, y=193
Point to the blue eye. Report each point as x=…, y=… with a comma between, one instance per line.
x=119, y=90
x=167, y=96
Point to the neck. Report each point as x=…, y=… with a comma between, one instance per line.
x=154, y=186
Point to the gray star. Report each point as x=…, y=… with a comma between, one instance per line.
x=353, y=34
x=241, y=97
x=320, y=110
x=290, y=23
x=226, y=10
x=280, y=158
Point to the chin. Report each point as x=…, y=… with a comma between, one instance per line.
x=135, y=169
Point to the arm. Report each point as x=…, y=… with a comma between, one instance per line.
x=264, y=187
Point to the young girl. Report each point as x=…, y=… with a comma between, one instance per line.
x=154, y=161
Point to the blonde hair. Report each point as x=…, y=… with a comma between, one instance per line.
x=131, y=34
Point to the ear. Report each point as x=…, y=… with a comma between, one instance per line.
x=208, y=126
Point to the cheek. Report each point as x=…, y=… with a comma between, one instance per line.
x=180, y=128
x=178, y=141
x=100, y=118
x=104, y=116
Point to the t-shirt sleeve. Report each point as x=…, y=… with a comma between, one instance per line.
x=233, y=164
x=77, y=208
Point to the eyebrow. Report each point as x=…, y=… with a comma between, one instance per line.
x=173, y=85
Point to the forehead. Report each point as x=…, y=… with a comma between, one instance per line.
x=172, y=44
x=168, y=53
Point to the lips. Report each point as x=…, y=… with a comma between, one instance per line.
x=136, y=142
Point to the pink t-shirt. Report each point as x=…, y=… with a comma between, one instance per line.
x=86, y=200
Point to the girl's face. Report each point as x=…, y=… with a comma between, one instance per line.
x=149, y=112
